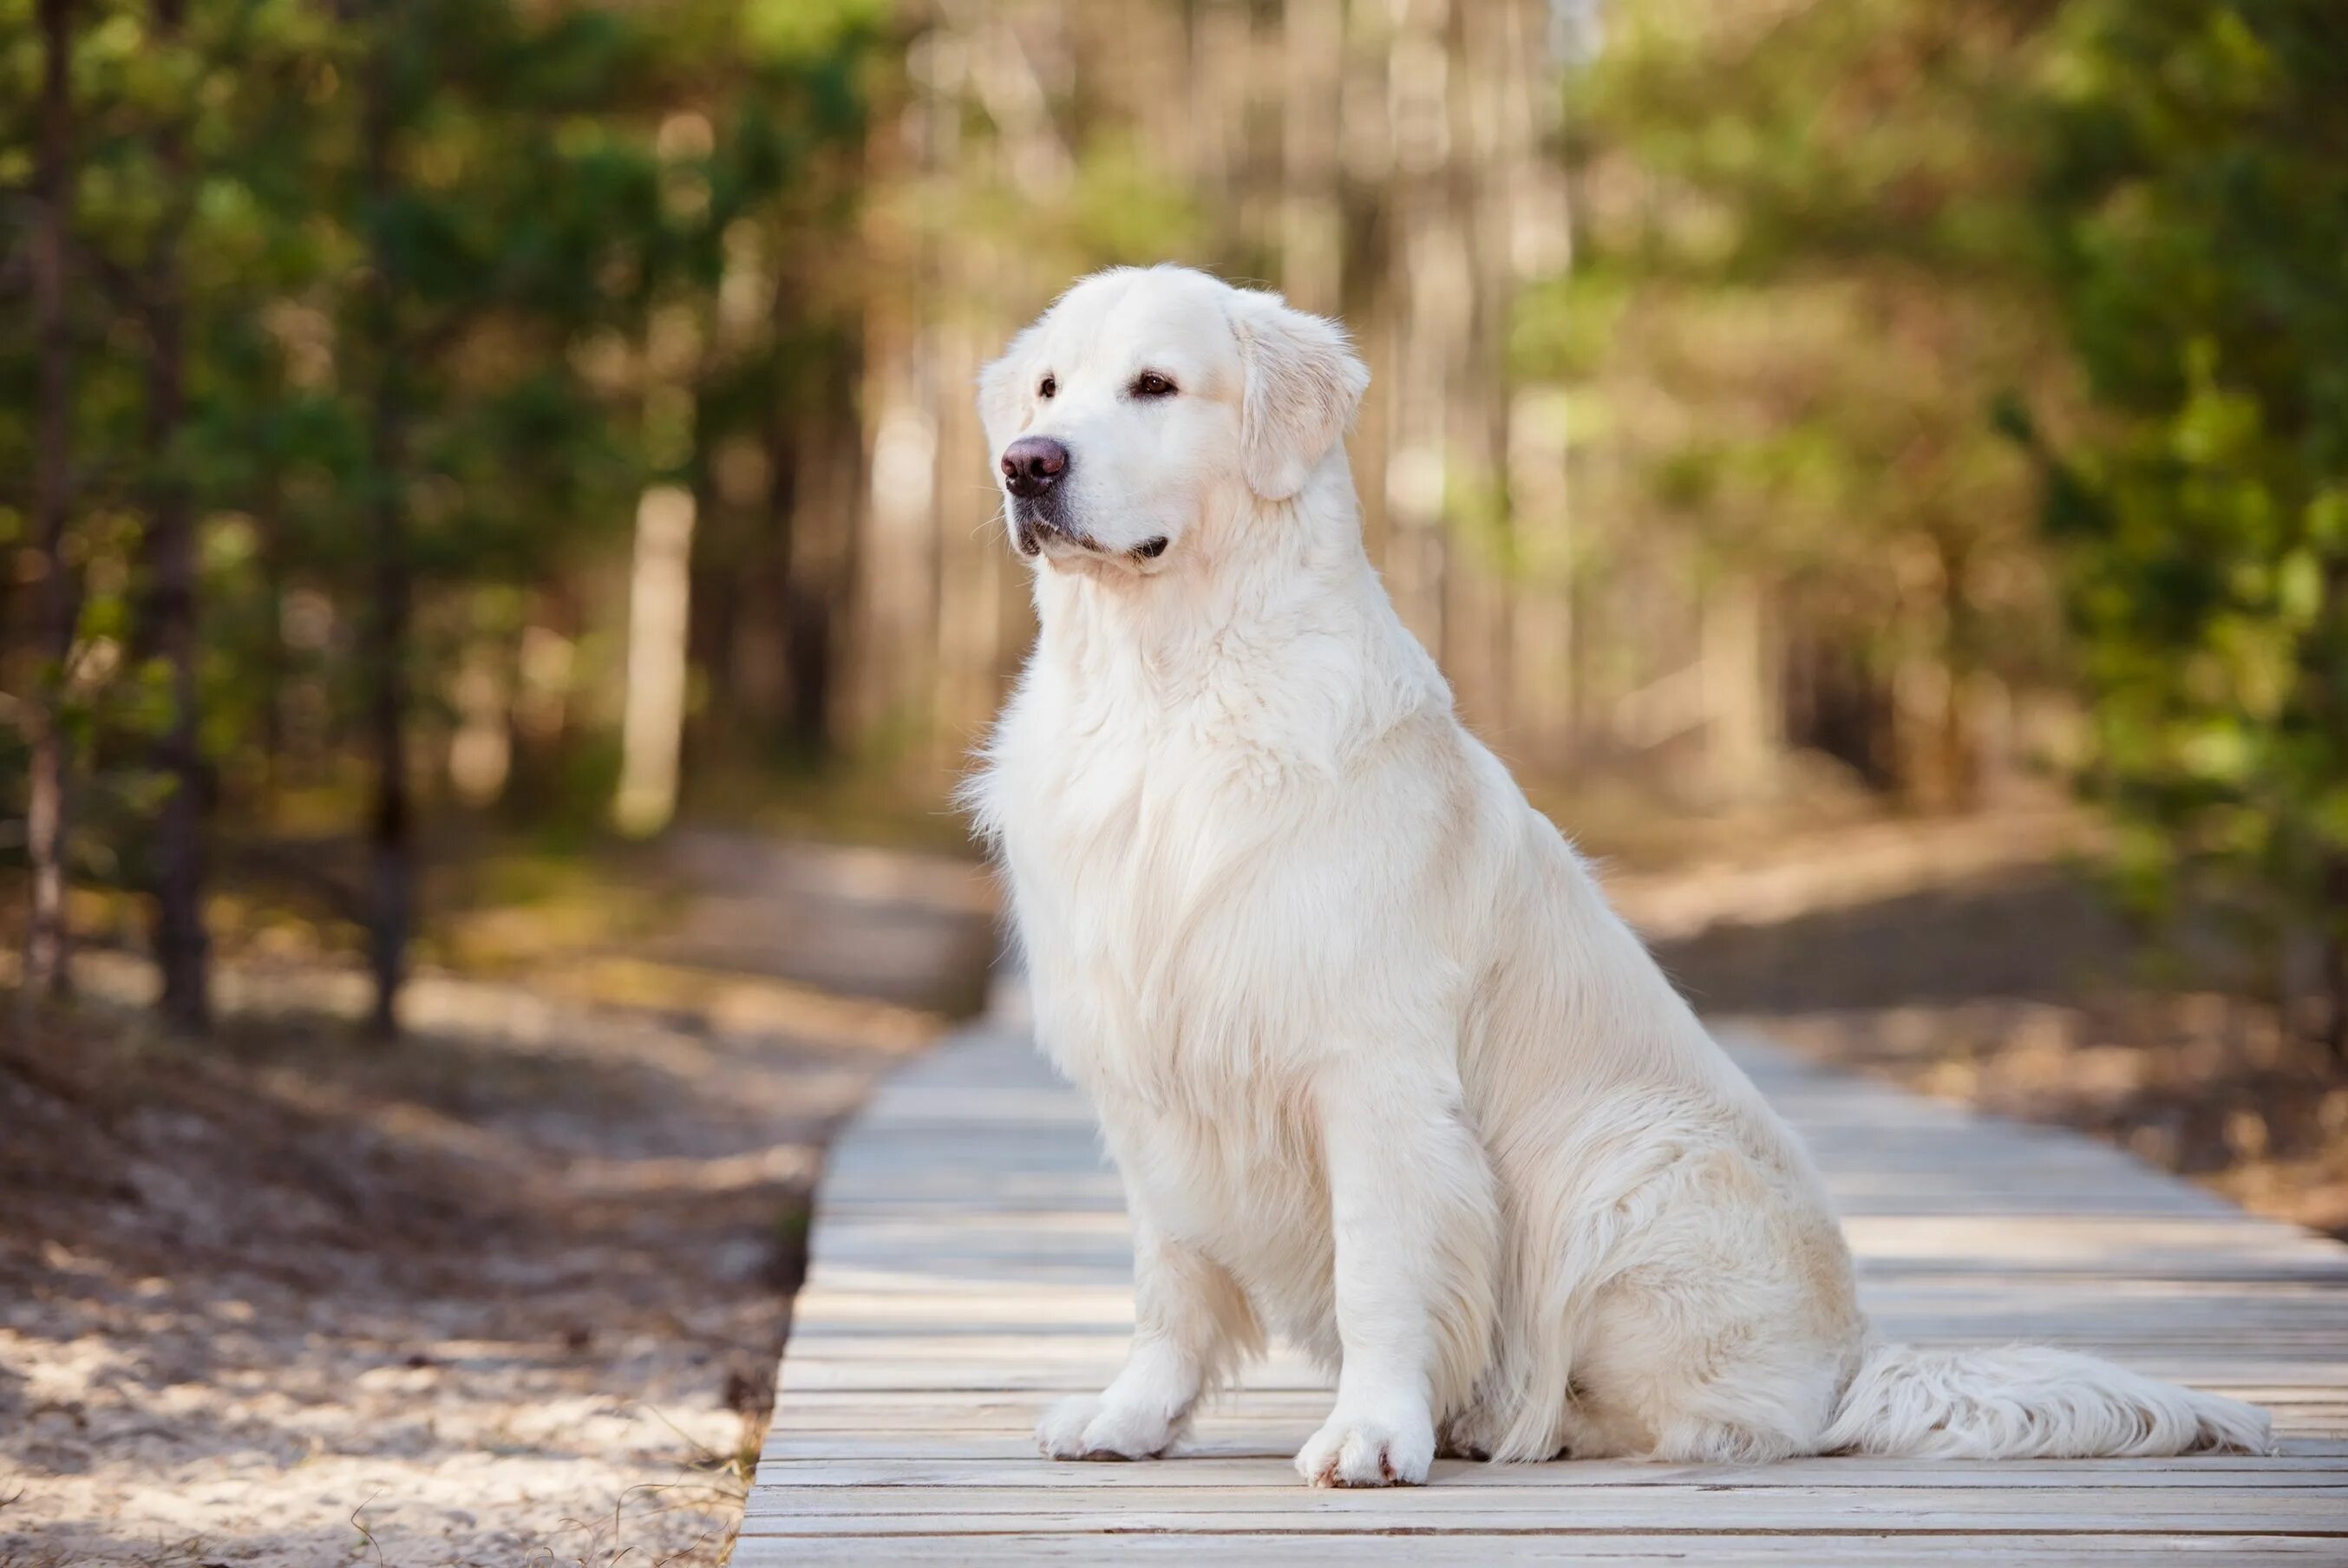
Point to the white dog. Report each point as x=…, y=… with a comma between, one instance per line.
x=1379, y=1067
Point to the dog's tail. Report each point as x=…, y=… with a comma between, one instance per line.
x=2024, y=1401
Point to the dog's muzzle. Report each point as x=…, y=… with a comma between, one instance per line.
x=1029, y=529
x=1033, y=468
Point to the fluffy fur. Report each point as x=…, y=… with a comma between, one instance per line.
x=1381, y=1068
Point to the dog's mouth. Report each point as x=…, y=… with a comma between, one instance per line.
x=1033, y=533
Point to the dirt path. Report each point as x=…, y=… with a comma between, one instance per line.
x=510, y=1293
x=1976, y=961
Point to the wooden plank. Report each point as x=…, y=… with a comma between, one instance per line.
x=1296, y=1551
x=970, y=1262
x=936, y=1453
x=1717, y=1509
x=1028, y=1472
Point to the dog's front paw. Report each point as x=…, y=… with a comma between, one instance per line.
x=1087, y=1427
x=1369, y=1450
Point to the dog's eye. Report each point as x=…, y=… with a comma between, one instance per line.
x=1051, y=385
x=1150, y=384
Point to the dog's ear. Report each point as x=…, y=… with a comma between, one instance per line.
x=1303, y=384
x=1003, y=389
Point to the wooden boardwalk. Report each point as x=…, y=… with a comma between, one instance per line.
x=970, y=1265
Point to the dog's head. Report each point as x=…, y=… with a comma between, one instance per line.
x=1147, y=400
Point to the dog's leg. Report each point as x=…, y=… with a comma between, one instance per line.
x=1417, y=1228
x=1192, y=1324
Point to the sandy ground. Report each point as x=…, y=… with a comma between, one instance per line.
x=510, y=1293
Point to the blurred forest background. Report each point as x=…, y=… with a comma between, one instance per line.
x=431, y=420
x=484, y=480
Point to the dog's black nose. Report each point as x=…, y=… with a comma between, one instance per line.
x=1033, y=465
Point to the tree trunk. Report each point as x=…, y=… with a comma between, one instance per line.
x=809, y=579
x=714, y=598
x=391, y=850
x=2335, y=962
x=181, y=951
x=660, y=610
x=800, y=616
x=277, y=658
x=391, y=870
x=48, y=815
x=824, y=577
x=1960, y=759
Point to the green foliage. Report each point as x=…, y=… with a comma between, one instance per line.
x=1803, y=275
x=429, y=260
x=456, y=279
x=2196, y=195
x=1861, y=246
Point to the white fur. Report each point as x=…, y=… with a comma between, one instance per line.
x=1380, y=1067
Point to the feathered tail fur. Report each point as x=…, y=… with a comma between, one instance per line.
x=2025, y=1401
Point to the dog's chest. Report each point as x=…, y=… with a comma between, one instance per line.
x=1138, y=915
x=1143, y=869
x=1135, y=842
